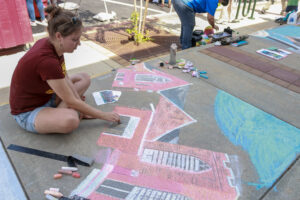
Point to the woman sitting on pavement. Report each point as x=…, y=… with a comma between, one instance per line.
x=186, y=10
x=43, y=98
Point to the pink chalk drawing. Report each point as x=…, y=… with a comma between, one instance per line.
x=142, y=167
x=167, y=117
x=145, y=79
x=130, y=138
x=163, y=171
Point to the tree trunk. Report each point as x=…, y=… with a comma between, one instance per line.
x=141, y=14
x=134, y=1
x=144, y=17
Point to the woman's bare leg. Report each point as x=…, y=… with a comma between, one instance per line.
x=62, y=119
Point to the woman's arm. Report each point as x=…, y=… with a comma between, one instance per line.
x=71, y=85
x=62, y=88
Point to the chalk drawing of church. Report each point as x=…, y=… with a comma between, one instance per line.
x=142, y=167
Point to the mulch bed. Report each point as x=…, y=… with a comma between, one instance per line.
x=114, y=37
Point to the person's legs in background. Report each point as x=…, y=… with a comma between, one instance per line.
x=40, y=7
x=266, y=6
x=187, y=18
x=30, y=9
x=229, y=10
x=291, y=8
x=292, y=5
x=229, y=6
x=283, y=7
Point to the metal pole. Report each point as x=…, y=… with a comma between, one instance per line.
x=253, y=9
x=244, y=7
x=237, y=11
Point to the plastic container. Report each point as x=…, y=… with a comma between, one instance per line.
x=292, y=18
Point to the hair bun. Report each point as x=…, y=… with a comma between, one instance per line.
x=53, y=11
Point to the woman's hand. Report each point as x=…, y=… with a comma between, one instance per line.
x=111, y=116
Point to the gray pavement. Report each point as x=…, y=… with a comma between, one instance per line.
x=36, y=173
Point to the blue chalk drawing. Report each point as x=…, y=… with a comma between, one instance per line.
x=271, y=143
x=288, y=30
x=283, y=31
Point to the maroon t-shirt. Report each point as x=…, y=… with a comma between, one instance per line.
x=29, y=88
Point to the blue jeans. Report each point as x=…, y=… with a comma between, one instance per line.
x=186, y=15
x=30, y=9
x=26, y=120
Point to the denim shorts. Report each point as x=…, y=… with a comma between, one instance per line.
x=291, y=8
x=26, y=120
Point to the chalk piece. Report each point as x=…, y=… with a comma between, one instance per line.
x=76, y=175
x=203, y=76
x=57, y=176
x=68, y=172
x=53, y=193
x=70, y=168
x=194, y=74
x=54, y=189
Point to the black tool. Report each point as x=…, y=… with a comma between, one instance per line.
x=72, y=161
x=229, y=40
x=75, y=197
x=228, y=30
x=196, y=37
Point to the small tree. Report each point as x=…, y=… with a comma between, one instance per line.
x=137, y=32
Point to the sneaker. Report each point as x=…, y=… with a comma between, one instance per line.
x=32, y=23
x=263, y=11
x=43, y=23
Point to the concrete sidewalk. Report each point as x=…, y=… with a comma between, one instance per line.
x=251, y=121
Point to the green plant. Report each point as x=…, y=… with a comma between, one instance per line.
x=134, y=18
x=134, y=33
